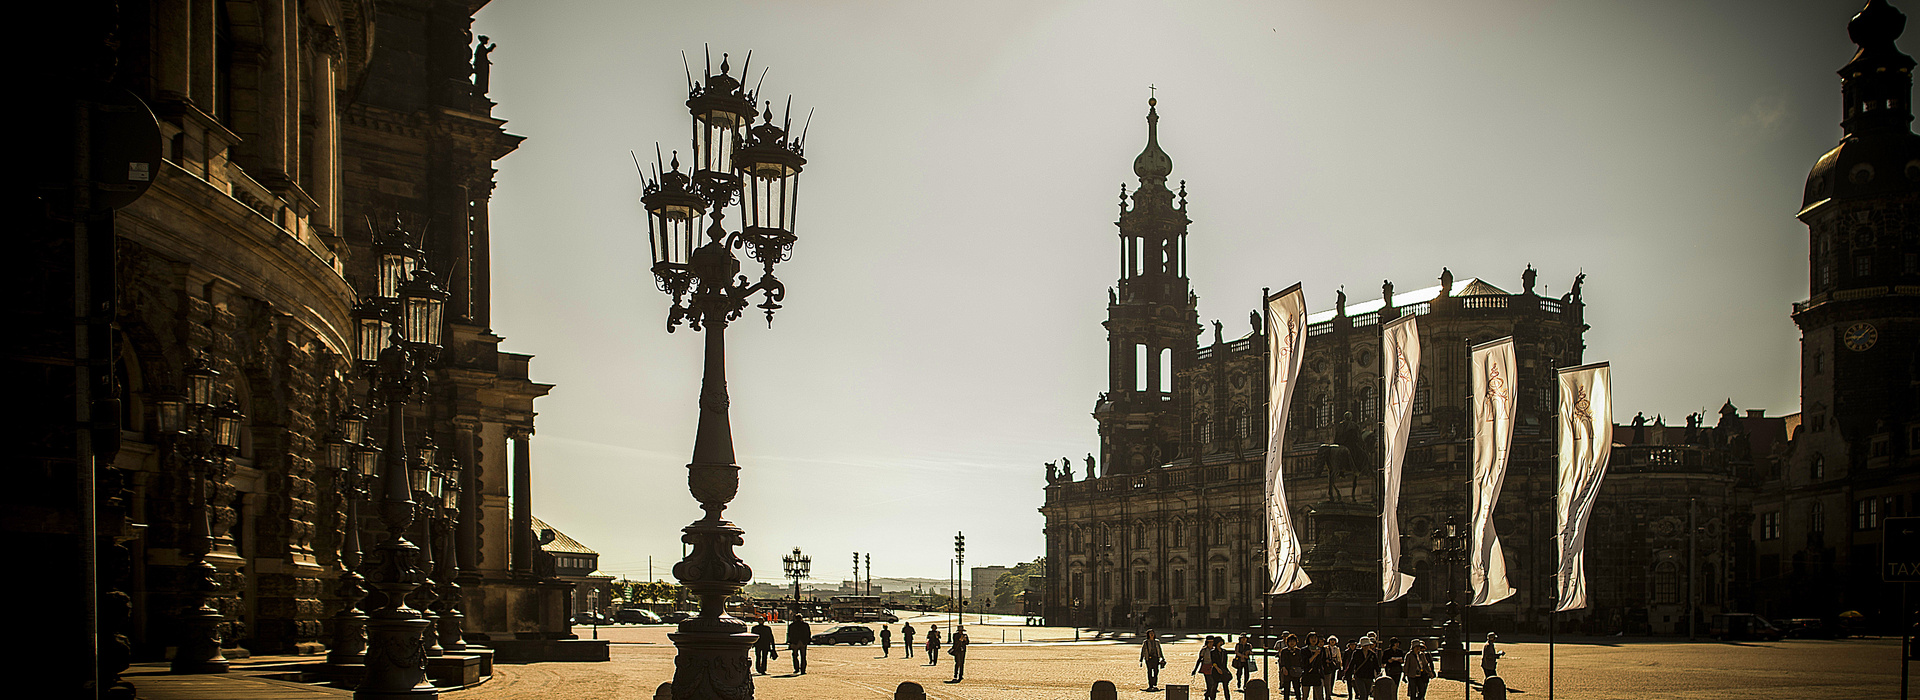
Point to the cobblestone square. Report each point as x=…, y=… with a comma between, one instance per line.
x=1586, y=668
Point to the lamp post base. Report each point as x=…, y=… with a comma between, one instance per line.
x=199, y=651
x=396, y=661
x=713, y=663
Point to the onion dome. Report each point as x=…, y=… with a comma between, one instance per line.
x=1880, y=155
x=1153, y=165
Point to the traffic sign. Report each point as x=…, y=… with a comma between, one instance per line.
x=1900, y=550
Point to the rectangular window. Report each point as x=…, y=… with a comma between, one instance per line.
x=1219, y=583
x=1079, y=583
x=1139, y=585
x=1770, y=526
x=1179, y=584
x=1866, y=514
x=1863, y=266
x=1913, y=263
x=1816, y=518
x=1826, y=275
x=1106, y=585
x=1139, y=367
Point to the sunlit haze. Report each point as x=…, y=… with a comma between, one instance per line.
x=942, y=333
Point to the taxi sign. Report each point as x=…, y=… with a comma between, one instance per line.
x=1900, y=548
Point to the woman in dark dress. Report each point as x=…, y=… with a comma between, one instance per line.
x=1292, y=659
x=1315, y=664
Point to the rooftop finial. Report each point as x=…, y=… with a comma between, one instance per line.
x=1153, y=165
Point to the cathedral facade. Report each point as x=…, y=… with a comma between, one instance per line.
x=1166, y=526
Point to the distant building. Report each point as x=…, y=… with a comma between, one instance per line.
x=1170, y=530
x=574, y=563
x=984, y=577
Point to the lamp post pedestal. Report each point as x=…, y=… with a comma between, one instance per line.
x=199, y=648
x=396, y=657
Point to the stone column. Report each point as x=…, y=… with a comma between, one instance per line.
x=523, y=540
x=201, y=61
x=467, y=530
x=172, y=61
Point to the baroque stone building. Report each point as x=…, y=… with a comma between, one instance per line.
x=289, y=135
x=1165, y=528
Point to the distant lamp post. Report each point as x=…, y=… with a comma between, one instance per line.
x=731, y=157
x=1450, y=550
x=204, y=435
x=353, y=462
x=797, y=566
x=450, y=604
x=411, y=307
x=426, y=483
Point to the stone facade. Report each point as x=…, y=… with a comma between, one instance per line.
x=1165, y=529
x=288, y=131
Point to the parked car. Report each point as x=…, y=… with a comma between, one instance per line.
x=1729, y=627
x=641, y=616
x=1807, y=628
x=677, y=617
x=845, y=634
x=875, y=616
x=591, y=618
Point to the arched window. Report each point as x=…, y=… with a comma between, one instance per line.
x=1179, y=534
x=1139, y=537
x=1166, y=370
x=1666, y=583
x=1322, y=411
x=1369, y=403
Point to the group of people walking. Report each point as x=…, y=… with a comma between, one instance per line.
x=800, y=635
x=1307, y=669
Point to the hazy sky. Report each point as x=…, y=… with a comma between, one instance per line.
x=942, y=333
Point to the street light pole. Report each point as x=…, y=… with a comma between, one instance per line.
x=758, y=166
x=205, y=436
x=354, y=460
x=1450, y=550
x=797, y=566
x=399, y=333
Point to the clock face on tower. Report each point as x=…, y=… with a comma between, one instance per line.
x=1860, y=336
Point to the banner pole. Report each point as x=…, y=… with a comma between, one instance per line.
x=1549, y=655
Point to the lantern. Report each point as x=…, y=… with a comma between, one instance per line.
x=200, y=379
x=423, y=304
x=673, y=217
x=226, y=422
x=170, y=412
x=418, y=477
x=366, y=460
x=375, y=330
x=425, y=451
x=353, y=426
x=339, y=452
x=398, y=258
x=720, y=108
x=769, y=164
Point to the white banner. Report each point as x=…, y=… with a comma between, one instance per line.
x=1586, y=440
x=1400, y=358
x=1286, y=344
x=1493, y=408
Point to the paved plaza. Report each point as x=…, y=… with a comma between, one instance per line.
x=1587, y=667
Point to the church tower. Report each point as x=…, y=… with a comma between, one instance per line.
x=1151, y=321
x=1853, y=459
x=1860, y=326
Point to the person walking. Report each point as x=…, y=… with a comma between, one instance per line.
x=1212, y=665
x=886, y=641
x=933, y=645
x=1243, y=663
x=763, y=646
x=1153, y=658
x=1365, y=667
x=906, y=639
x=1392, y=659
x=1489, y=657
x=1419, y=670
x=957, y=649
x=799, y=635
x=1336, y=666
x=1314, y=667
x=1292, y=665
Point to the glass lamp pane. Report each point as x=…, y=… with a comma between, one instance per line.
x=227, y=431
x=433, y=483
x=395, y=269
x=171, y=415
x=417, y=478
x=716, y=132
x=201, y=391
x=354, y=426
x=337, y=455
x=435, y=309
x=426, y=452
x=374, y=334
x=367, y=461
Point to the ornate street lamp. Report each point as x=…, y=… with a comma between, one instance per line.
x=426, y=483
x=730, y=156
x=797, y=566
x=354, y=462
x=1450, y=550
x=448, y=605
x=204, y=435
x=411, y=305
